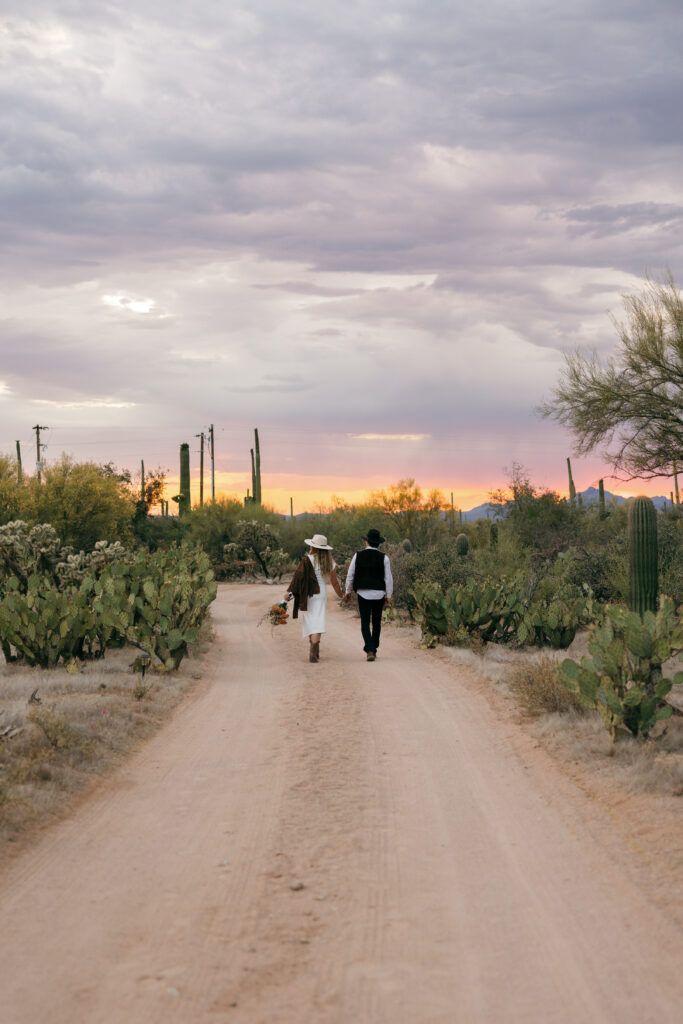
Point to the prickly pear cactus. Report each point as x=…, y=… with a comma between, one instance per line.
x=623, y=678
x=157, y=601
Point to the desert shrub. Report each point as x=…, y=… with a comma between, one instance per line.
x=670, y=547
x=60, y=733
x=160, y=532
x=535, y=686
x=214, y=525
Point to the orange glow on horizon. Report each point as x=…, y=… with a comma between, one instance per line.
x=329, y=492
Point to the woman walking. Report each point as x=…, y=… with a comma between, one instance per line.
x=309, y=590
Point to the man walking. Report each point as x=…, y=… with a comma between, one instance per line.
x=370, y=576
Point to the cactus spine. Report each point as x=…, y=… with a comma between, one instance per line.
x=642, y=544
x=601, y=499
x=462, y=545
x=257, y=476
x=184, y=503
x=572, y=489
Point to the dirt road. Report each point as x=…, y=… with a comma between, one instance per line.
x=337, y=843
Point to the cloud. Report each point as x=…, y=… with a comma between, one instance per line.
x=387, y=220
x=389, y=437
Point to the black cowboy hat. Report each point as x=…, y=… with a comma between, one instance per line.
x=374, y=537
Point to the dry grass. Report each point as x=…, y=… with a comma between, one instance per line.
x=78, y=725
x=654, y=765
x=579, y=739
x=535, y=687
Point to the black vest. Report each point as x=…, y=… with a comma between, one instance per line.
x=369, y=572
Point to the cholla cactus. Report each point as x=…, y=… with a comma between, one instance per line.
x=25, y=552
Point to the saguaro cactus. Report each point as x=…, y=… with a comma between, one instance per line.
x=642, y=544
x=493, y=536
x=462, y=545
x=257, y=476
x=601, y=499
x=184, y=503
x=572, y=489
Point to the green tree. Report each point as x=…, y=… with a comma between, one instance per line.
x=634, y=402
x=83, y=502
x=539, y=519
x=411, y=513
x=12, y=494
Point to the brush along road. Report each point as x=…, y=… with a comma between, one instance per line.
x=340, y=842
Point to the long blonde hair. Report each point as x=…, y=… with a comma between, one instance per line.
x=323, y=560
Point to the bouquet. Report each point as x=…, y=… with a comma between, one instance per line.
x=277, y=614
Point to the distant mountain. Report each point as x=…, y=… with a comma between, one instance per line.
x=485, y=511
x=590, y=496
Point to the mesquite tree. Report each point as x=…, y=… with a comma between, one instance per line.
x=633, y=402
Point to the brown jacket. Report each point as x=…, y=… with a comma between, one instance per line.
x=304, y=584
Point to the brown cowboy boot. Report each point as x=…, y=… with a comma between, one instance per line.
x=314, y=652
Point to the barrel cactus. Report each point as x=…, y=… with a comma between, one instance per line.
x=462, y=545
x=642, y=545
x=406, y=546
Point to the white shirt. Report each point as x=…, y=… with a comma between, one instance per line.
x=371, y=595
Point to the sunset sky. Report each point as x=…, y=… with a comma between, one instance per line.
x=369, y=229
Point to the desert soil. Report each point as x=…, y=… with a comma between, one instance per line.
x=343, y=842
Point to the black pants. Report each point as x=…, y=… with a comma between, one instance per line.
x=370, y=622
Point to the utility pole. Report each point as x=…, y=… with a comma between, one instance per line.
x=20, y=474
x=213, y=474
x=39, y=464
x=201, y=467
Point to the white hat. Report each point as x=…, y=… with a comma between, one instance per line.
x=318, y=540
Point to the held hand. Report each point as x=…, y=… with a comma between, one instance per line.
x=346, y=598
x=288, y=596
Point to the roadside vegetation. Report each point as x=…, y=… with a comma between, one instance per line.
x=86, y=571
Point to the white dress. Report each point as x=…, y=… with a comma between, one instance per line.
x=313, y=620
